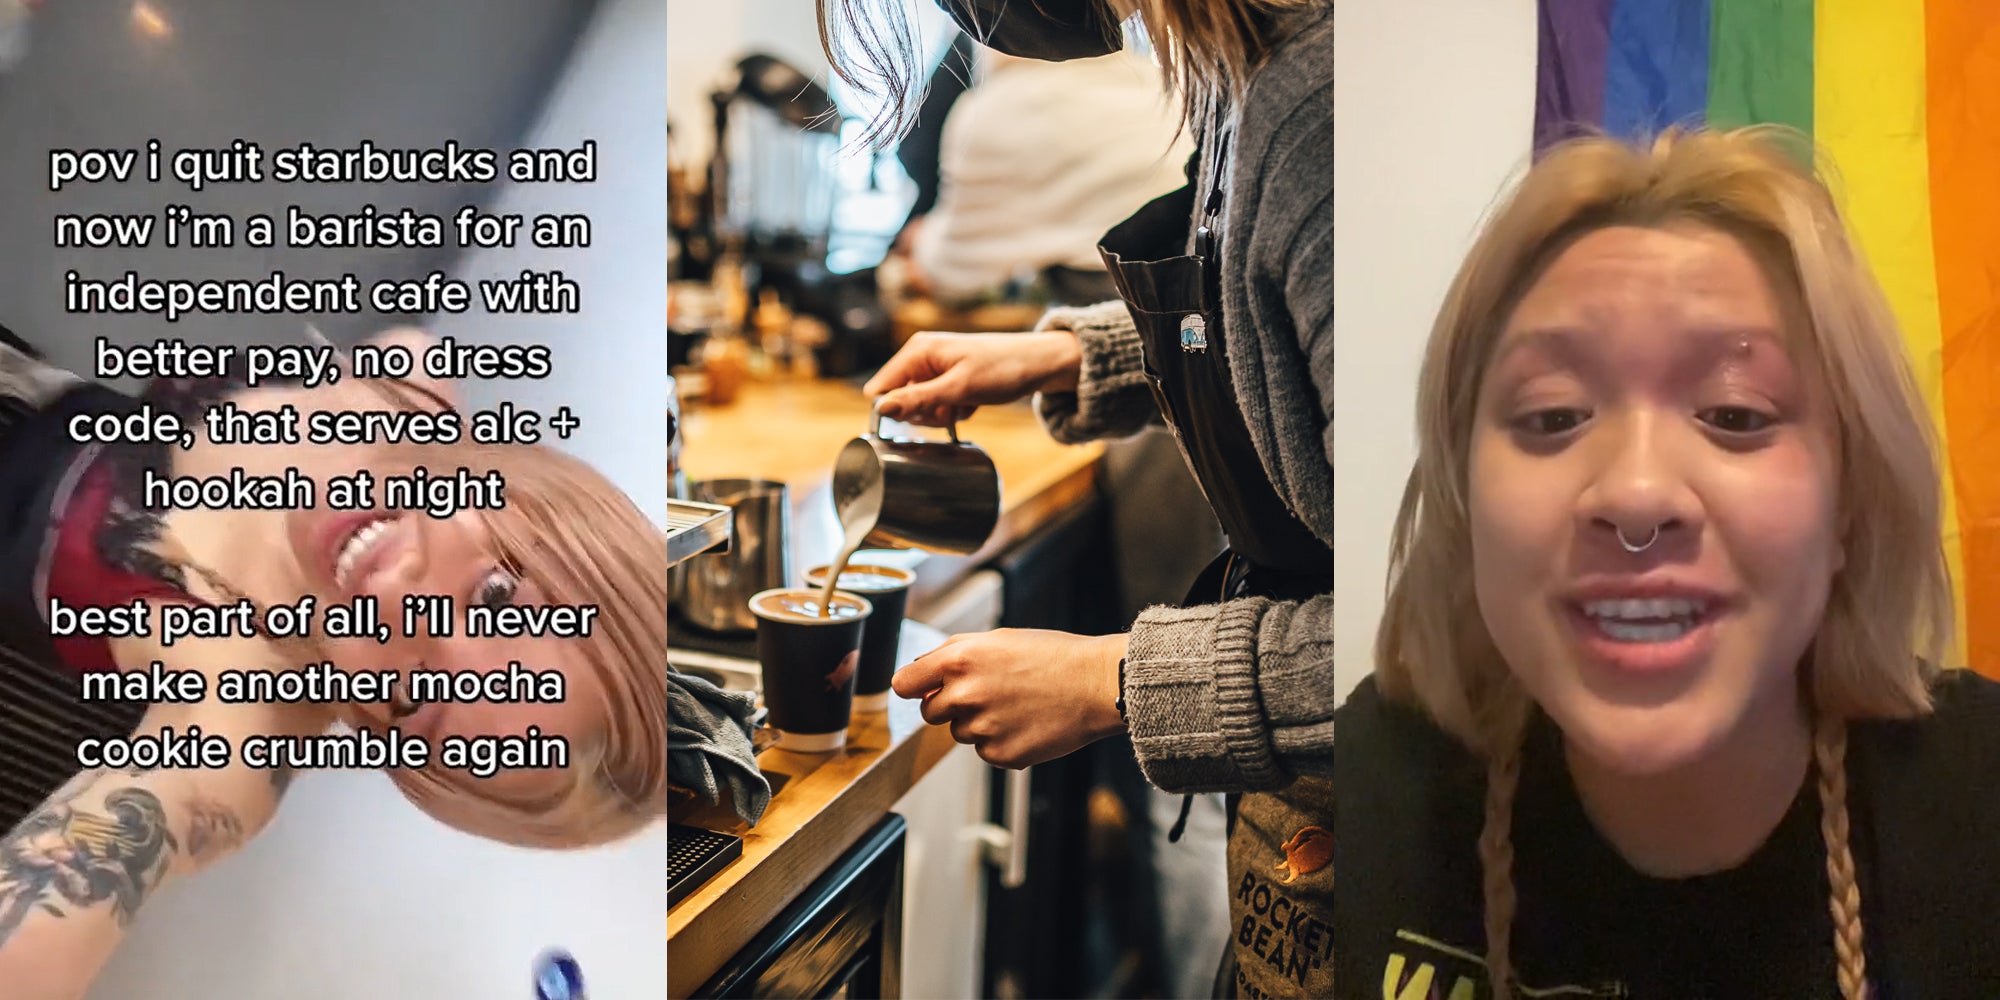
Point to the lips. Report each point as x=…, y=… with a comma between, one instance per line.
x=360, y=552
x=1645, y=626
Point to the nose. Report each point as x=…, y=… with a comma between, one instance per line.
x=1638, y=496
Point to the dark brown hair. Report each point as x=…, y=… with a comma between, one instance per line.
x=1207, y=51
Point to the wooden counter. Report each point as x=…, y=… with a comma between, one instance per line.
x=792, y=431
x=820, y=805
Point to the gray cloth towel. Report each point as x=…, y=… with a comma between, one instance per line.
x=708, y=744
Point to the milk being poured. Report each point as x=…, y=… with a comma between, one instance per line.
x=857, y=516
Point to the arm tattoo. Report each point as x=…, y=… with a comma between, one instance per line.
x=213, y=830
x=63, y=859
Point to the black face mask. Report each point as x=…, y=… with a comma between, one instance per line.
x=1048, y=30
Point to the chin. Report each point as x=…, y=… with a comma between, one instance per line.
x=1639, y=741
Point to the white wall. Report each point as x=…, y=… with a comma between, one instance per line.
x=1435, y=105
x=352, y=892
x=273, y=72
x=610, y=359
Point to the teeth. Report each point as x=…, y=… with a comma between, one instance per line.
x=1654, y=610
x=356, y=547
x=1622, y=632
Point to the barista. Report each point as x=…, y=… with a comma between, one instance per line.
x=1225, y=334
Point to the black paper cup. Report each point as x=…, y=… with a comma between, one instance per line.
x=809, y=664
x=888, y=589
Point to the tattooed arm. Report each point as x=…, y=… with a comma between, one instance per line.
x=75, y=873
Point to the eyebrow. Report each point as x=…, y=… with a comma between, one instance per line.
x=1565, y=342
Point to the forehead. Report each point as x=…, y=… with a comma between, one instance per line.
x=1684, y=274
x=1672, y=302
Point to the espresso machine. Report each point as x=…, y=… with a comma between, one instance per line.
x=772, y=183
x=764, y=223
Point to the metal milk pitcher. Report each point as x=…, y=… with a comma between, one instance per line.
x=715, y=589
x=939, y=496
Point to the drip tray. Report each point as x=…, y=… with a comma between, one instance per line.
x=694, y=528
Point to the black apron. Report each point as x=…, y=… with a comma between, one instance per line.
x=1176, y=304
x=41, y=714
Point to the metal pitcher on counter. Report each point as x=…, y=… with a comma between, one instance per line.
x=713, y=590
x=939, y=496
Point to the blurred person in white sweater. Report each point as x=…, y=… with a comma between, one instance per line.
x=1037, y=160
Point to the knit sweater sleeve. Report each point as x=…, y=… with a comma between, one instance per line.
x=1240, y=696
x=1111, y=399
x=1234, y=697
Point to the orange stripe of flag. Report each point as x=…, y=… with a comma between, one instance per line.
x=1963, y=97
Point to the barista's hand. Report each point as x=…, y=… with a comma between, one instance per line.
x=1019, y=696
x=940, y=378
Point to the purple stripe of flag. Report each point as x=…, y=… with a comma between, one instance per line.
x=1569, y=70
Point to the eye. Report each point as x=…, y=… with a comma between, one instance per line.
x=1736, y=419
x=1553, y=422
x=497, y=588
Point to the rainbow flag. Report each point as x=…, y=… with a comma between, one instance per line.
x=1904, y=96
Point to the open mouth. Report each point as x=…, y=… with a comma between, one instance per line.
x=358, y=552
x=1661, y=632
x=1646, y=620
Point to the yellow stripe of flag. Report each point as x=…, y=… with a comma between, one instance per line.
x=1869, y=114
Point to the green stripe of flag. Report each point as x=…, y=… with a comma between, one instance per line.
x=1760, y=63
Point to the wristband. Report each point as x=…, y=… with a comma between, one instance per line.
x=1121, y=690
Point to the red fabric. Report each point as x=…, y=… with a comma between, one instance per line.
x=79, y=576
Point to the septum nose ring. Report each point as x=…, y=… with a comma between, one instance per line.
x=1629, y=547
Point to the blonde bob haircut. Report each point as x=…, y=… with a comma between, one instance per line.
x=584, y=542
x=1889, y=610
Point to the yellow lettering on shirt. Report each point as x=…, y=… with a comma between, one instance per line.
x=1418, y=986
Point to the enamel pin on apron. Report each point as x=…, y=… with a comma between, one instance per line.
x=1194, y=326
x=1194, y=333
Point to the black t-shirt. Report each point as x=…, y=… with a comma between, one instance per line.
x=1923, y=801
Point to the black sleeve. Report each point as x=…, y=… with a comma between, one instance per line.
x=919, y=151
x=8, y=338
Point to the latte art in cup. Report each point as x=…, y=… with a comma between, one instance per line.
x=804, y=609
x=865, y=579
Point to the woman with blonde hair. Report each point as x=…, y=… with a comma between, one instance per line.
x=1224, y=333
x=1657, y=710
x=82, y=527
